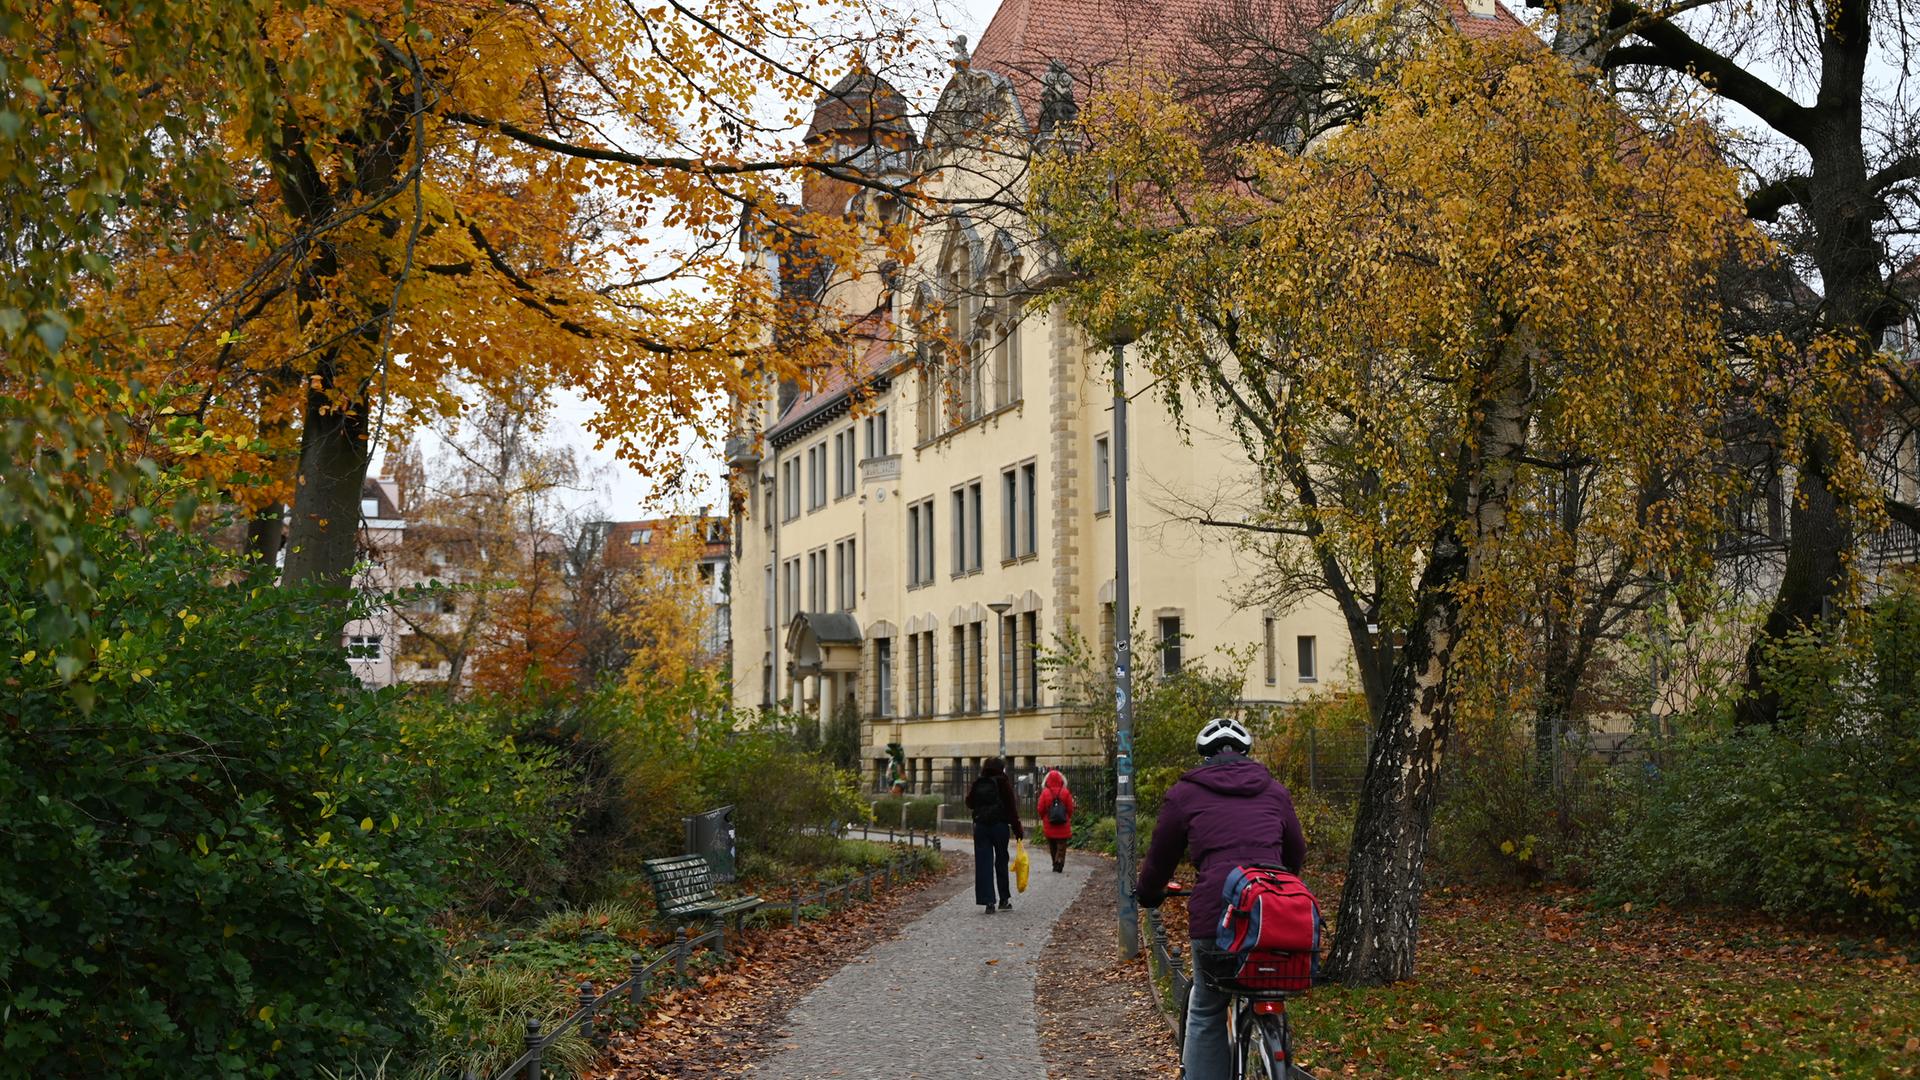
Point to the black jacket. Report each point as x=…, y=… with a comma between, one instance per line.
x=1007, y=812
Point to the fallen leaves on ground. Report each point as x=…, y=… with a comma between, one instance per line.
x=1098, y=1019
x=1539, y=984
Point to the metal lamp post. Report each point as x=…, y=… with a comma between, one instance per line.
x=1118, y=337
x=999, y=609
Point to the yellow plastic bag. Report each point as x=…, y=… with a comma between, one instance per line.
x=1020, y=865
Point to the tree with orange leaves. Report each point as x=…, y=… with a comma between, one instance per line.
x=247, y=236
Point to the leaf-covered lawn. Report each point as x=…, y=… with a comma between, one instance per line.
x=1538, y=986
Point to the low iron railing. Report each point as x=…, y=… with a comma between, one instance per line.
x=1166, y=970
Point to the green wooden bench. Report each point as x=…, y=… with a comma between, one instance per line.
x=683, y=889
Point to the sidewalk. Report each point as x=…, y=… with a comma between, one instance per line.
x=952, y=996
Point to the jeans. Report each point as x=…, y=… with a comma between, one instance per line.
x=990, y=859
x=1206, y=1055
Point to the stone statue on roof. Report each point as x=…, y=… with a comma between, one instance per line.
x=1057, y=107
x=961, y=56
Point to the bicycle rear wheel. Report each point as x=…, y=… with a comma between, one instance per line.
x=1265, y=1051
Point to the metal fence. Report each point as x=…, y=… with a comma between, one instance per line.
x=1091, y=784
x=641, y=975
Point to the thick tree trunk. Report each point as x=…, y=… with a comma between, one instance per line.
x=1812, y=583
x=1379, y=923
x=323, y=537
x=1842, y=206
x=1374, y=939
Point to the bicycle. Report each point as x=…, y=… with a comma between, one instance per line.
x=1257, y=1026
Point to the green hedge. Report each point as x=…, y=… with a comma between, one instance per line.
x=218, y=855
x=1818, y=816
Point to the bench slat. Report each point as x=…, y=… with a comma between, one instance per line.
x=683, y=888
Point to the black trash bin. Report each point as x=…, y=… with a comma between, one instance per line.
x=711, y=835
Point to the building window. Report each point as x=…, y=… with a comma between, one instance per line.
x=1010, y=514
x=1170, y=645
x=363, y=647
x=979, y=670
x=369, y=508
x=1020, y=502
x=790, y=489
x=920, y=543
x=1009, y=661
x=845, y=464
x=1272, y=661
x=1030, y=659
x=913, y=674
x=960, y=669
x=817, y=476
x=974, y=512
x=877, y=434
x=966, y=528
x=843, y=558
x=817, y=590
x=927, y=699
x=790, y=570
x=1030, y=517
x=1102, y=476
x=883, y=677
x=1309, y=661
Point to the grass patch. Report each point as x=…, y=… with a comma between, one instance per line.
x=1519, y=986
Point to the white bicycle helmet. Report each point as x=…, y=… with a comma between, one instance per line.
x=1223, y=733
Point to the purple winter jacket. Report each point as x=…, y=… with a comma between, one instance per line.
x=1228, y=812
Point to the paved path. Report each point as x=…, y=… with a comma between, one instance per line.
x=952, y=996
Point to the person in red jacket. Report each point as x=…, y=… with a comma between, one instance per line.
x=1054, y=793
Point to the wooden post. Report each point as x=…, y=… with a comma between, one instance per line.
x=796, y=907
x=636, y=980
x=680, y=951
x=534, y=1046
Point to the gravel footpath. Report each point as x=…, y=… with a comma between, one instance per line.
x=952, y=996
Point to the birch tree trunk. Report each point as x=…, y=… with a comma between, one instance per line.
x=1378, y=928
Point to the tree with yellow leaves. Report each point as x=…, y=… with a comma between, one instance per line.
x=668, y=621
x=1421, y=316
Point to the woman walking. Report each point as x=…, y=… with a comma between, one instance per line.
x=995, y=816
x=1056, y=817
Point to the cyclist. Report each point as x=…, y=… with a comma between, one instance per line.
x=1228, y=812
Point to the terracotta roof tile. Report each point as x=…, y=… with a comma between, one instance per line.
x=875, y=357
x=1095, y=37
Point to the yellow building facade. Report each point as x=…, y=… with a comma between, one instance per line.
x=914, y=530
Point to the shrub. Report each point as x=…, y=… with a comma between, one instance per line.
x=888, y=810
x=1818, y=816
x=1495, y=820
x=787, y=801
x=219, y=859
x=1328, y=825
x=923, y=812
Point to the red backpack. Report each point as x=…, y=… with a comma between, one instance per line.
x=1270, y=930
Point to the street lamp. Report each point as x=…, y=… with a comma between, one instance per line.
x=1117, y=337
x=999, y=609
